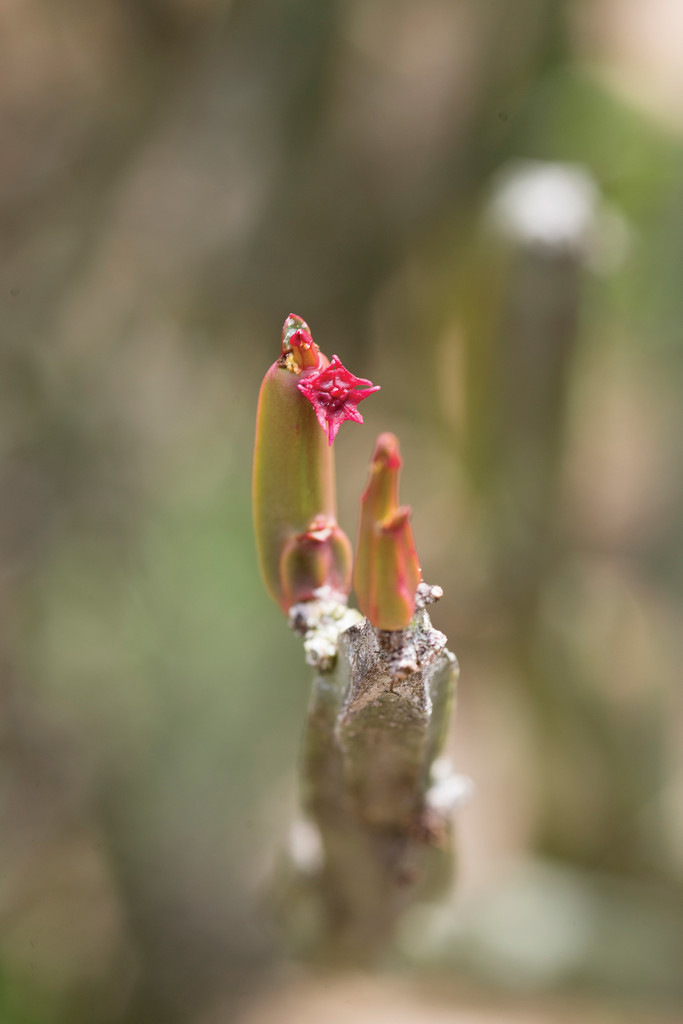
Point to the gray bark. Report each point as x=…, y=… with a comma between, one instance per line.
x=372, y=840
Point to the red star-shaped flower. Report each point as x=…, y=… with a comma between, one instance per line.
x=334, y=394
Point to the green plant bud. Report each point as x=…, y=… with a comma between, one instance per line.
x=297, y=537
x=319, y=557
x=387, y=571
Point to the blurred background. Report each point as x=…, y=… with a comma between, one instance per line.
x=479, y=206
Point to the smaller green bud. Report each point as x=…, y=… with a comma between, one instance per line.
x=387, y=570
x=298, y=351
x=318, y=557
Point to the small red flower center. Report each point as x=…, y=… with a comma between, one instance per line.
x=334, y=394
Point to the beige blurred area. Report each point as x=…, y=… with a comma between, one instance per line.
x=380, y=1002
x=479, y=206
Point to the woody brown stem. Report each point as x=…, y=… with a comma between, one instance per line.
x=373, y=732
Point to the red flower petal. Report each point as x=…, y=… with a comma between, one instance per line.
x=334, y=393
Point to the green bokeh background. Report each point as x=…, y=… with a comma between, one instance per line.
x=178, y=176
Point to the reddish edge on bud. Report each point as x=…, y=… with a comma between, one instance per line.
x=298, y=351
x=300, y=546
x=334, y=393
x=320, y=556
x=386, y=571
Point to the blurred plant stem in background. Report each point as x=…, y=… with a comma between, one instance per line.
x=521, y=291
x=520, y=297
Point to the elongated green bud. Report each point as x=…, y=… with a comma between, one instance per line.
x=300, y=546
x=387, y=571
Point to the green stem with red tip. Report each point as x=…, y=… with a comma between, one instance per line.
x=300, y=546
x=387, y=571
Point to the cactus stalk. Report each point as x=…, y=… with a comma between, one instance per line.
x=300, y=546
x=384, y=684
